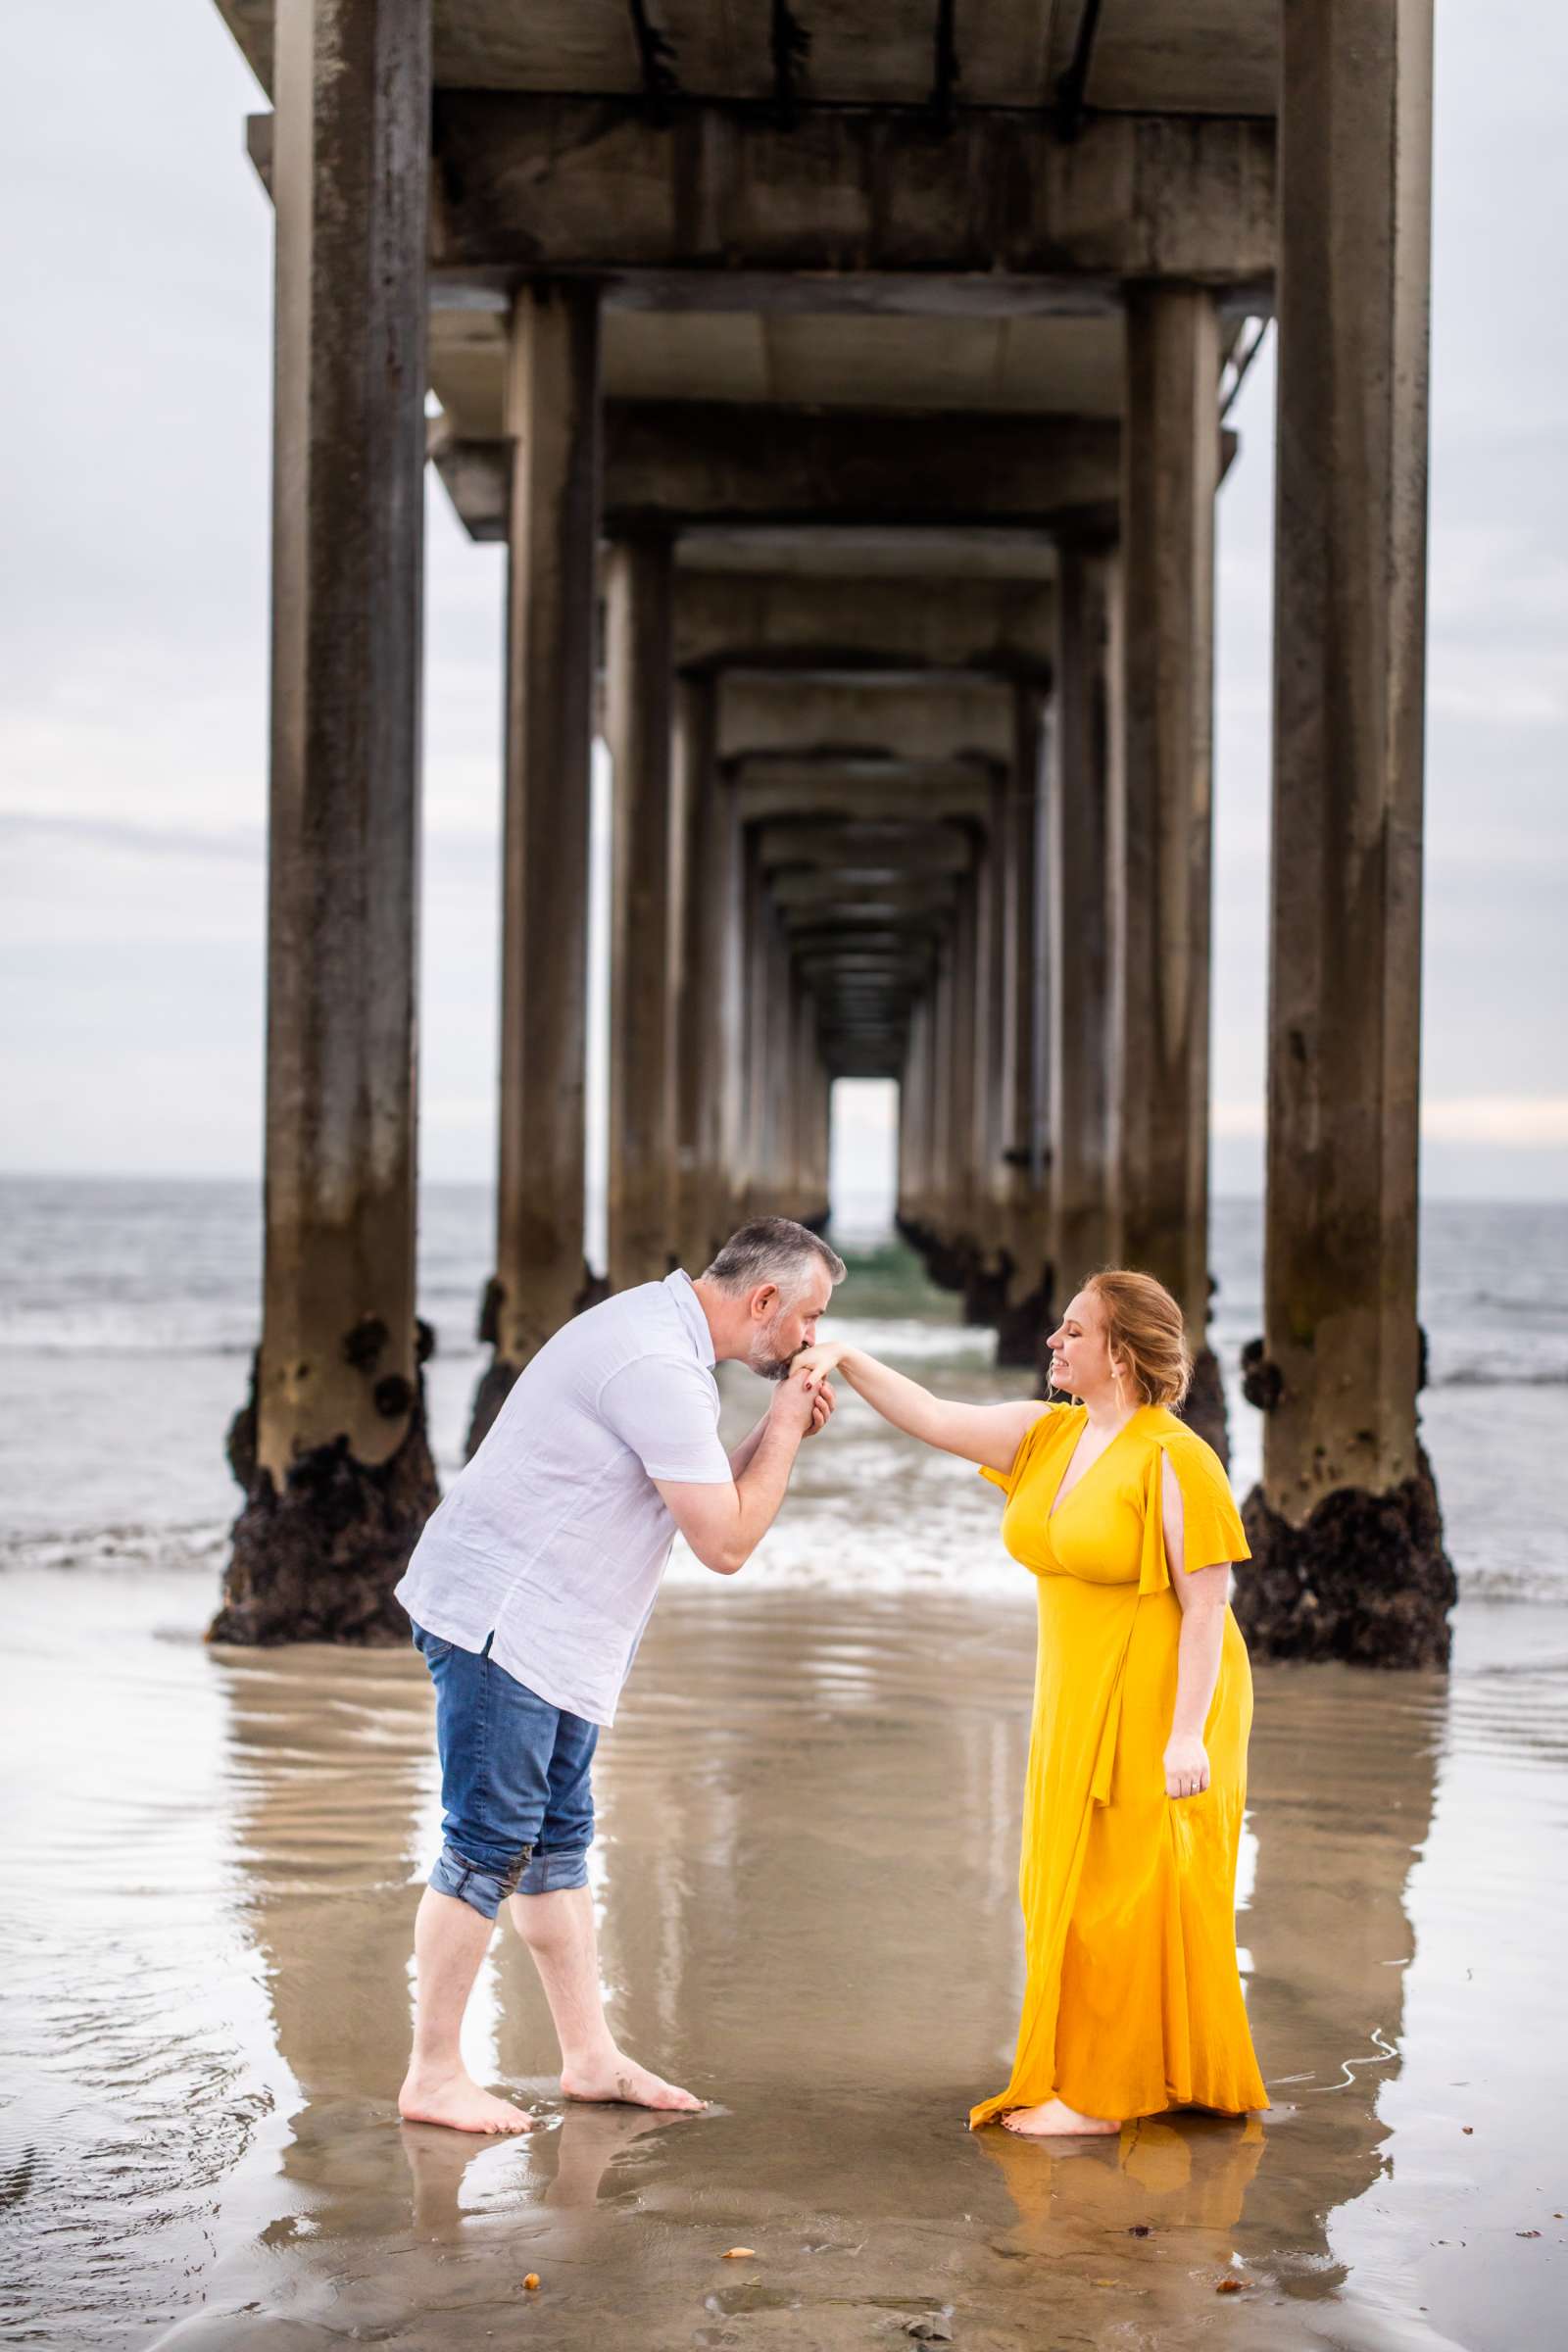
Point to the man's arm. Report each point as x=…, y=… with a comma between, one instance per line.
x=723, y=1525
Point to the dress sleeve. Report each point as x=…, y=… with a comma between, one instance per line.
x=1211, y=1524
x=1029, y=1445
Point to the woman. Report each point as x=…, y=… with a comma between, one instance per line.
x=1143, y=1705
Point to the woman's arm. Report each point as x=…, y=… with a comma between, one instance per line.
x=989, y=1433
x=1202, y=1597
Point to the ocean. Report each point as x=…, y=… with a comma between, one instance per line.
x=128, y=1309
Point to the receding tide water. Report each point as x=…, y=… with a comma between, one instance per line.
x=807, y=1876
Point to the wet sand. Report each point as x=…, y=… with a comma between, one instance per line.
x=809, y=1825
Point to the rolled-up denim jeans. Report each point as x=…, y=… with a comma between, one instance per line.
x=516, y=1793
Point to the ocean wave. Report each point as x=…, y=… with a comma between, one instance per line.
x=197, y=1546
x=1501, y=1376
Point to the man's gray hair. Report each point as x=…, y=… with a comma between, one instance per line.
x=773, y=1249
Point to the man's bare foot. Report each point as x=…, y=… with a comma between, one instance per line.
x=1055, y=2120
x=457, y=2101
x=621, y=2079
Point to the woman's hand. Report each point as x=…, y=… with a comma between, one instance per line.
x=1186, y=1766
x=823, y=1358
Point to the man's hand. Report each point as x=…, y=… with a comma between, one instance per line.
x=823, y=1400
x=794, y=1406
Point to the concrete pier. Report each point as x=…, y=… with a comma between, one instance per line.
x=644, y=1195
x=1025, y=1316
x=887, y=423
x=706, y=843
x=552, y=415
x=1160, y=883
x=331, y=1451
x=1078, y=922
x=1349, y=1542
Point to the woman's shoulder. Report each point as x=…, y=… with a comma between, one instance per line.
x=1054, y=1418
x=1191, y=1456
x=1047, y=1430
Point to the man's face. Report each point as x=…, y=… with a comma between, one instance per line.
x=782, y=1325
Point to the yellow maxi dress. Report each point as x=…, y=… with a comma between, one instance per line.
x=1133, y=2001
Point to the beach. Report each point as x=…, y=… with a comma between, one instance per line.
x=805, y=1877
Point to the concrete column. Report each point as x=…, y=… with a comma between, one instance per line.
x=795, y=1091
x=703, y=839
x=1160, y=875
x=553, y=419
x=821, y=1123
x=751, y=1122
x=961, y=1220
x=331, y=1449
x=988, y=1277
x=1345, y=1532
x=728, y=1111
x=939, y=1221
x=1078, y=920
x=779, y=1136
x=1025, y=1310
x=640, y=690
x=912, y=1116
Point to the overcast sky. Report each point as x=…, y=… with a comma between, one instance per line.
x=133, y=639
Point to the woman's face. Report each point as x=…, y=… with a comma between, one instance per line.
x=1080, y=1358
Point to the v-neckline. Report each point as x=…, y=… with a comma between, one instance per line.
x=1059, y=1499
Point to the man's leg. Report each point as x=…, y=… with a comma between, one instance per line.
x=552, y=1911
x=495, y=1740
x=559, y=1930
x=450, y=1937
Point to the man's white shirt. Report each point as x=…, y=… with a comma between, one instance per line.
x=554, y=1537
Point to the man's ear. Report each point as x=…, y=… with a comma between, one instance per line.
x=764, y=1300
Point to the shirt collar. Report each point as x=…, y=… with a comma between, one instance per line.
x=680, y=1288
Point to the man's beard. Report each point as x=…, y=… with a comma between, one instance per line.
x=760, y=1356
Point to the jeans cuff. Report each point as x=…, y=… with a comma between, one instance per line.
x=471, y=1883
x=552, y=1869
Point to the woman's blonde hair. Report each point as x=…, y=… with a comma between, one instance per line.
x=1144, y=1331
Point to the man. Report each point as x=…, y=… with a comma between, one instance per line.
x=529, y=1591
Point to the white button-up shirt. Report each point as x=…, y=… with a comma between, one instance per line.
x=554, y=1537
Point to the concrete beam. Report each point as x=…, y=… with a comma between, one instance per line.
x=929, y=721
x=721, y=206
x=870, y=939
x=885, y=849
x=867, y=788
x=1002, y=627
x=702, y=463
x=827, y=893
x=825, y=554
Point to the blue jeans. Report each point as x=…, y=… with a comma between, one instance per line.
x=517, y=1806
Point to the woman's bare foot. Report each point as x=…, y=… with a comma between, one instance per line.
x=457, y=2101
x=1055, y=2120
x=618, y=2077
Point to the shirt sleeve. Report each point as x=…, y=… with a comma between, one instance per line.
x=667, y=1411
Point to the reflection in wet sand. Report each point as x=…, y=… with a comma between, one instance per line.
x=807, y=1885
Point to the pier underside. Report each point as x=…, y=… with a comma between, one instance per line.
x=848, y=390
